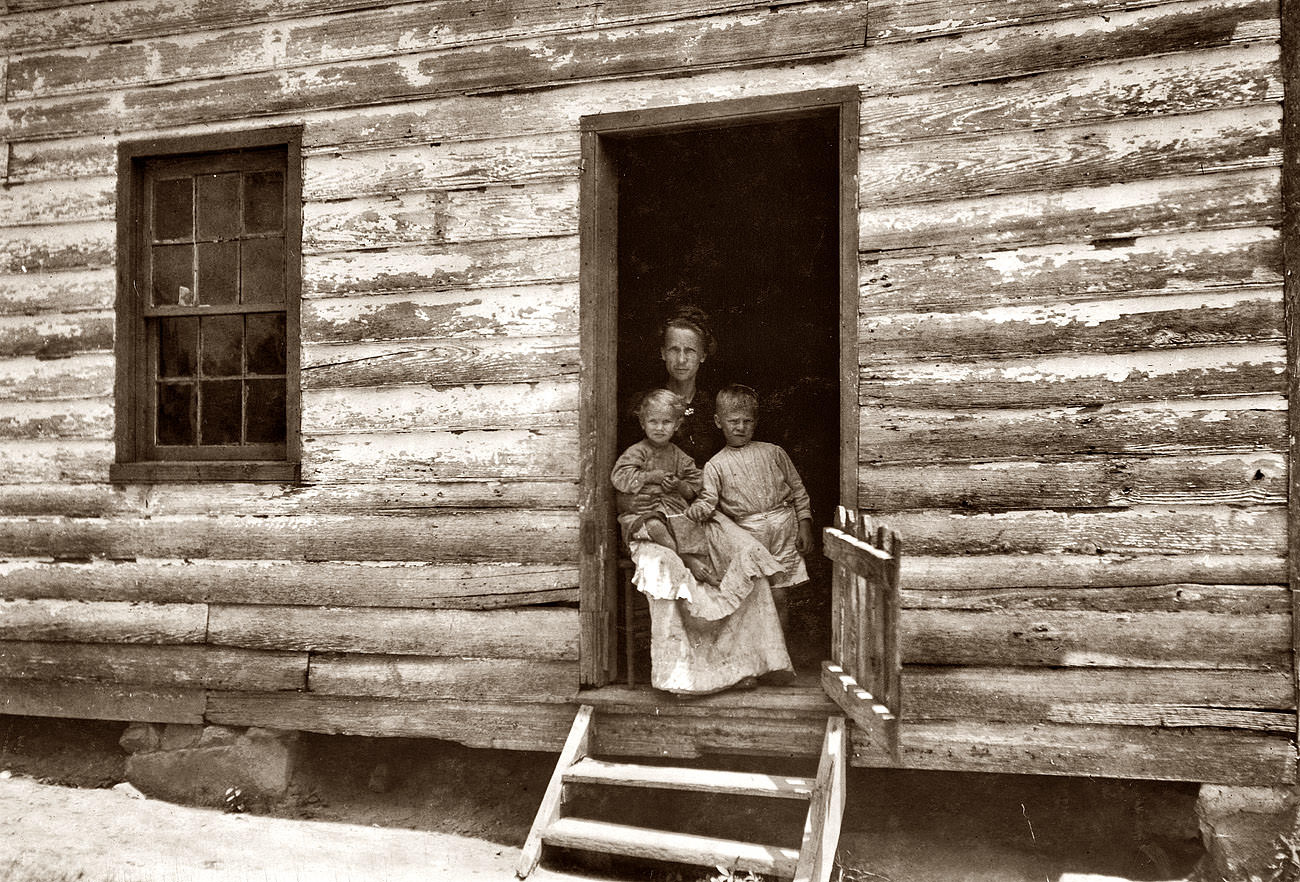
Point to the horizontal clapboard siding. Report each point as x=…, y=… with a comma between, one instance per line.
x=1071, y=358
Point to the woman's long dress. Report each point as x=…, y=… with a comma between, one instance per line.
x=706, y=637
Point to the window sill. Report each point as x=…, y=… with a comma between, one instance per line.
x=183, y=472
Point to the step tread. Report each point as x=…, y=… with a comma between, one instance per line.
x=592, y=771
x=686, y=848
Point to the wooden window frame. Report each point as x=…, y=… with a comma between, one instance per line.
x=598, y=287
x=133, y=461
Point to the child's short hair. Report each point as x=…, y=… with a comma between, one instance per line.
x=660, y=398
x=736, y=396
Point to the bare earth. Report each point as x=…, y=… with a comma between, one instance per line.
x=402, y=809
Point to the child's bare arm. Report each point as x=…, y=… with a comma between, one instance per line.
x=803, y=543
x=706, y=502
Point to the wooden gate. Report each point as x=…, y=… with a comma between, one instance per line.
x=864, y=674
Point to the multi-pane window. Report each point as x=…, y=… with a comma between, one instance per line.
x=210, y=312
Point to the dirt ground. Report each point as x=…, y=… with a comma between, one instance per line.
x=398, y=809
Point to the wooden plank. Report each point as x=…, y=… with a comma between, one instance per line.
x=1291, y=244
x=523, y=311
x=1188, y=262
x=1204, y=755
x=592, y=771
x=1232, y=316
x=55, y=336
x=69, y=418
x=1201, y=202
x=1029, y=695
x=1251, y=426
x=1099, y=570
x=88, y=375
x=405, y=408
x=45, y=461
x=413, y=585
x=102, y=621
x=918, y=19
x=445, y=536
x=68, y=500
x=1152, y=530
x=1070, y=638
x=1173, y=716
x=538, y=634
x=1242, y=600
x=433, y=267
x=70, y=158
x=414, y=218
x=70, y=246
x=413, y=677
x=1103, y=482
x=1076, y=380
x=57, y=202
x=667, y=734
x=101, y=701
x=1059, y=158
x=497, y=725
x=63, y=292
x=207, y=667
x=806, y=30
x=577, y=745
x=663, y=845
x=821, y=832
x=423, y=456
x=437, y=363
x=455, y=165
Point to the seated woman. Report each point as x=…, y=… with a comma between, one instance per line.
x=721, y=629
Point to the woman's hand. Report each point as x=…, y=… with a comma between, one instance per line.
x=803, y=543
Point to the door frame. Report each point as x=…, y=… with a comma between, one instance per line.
x=598, y=328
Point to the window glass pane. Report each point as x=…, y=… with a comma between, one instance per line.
x=265, y=412
x=223, y=345
x=218, y=272
x=262, y=270
x=178, y=347
x=175, y=413
x=173, y=209
x=263, y=202
x=220, y=411
x=218, y=206
x=173, y=275
x=266, y=343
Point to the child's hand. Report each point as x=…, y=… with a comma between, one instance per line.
x=803, y=543
x=698, y=512
x=655, y=476
x=670, y=483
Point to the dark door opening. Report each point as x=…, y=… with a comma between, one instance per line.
x=743, y=222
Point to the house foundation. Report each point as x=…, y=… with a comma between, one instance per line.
x=210, y=765
x=1249, y=832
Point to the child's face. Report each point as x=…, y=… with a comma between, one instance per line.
x=737, y=424
x=659, y=423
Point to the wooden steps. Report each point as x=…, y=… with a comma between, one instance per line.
x=809, y=863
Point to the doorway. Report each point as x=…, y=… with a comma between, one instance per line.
x=746, y=210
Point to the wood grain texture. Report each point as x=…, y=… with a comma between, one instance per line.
x=1243, y=600
x=423, y=456
x=517, y=311
x=438, y=363
x=48, y=461
x=1167, y=529
x=540, y=634
x=434, y=267
x=444, y=536
x=1060, y=158
x=63, y=292
x=1122, y=210
x=1249, y=424
x=55, y=336
x=1084, y=638
x=102, y=621
x=404, y=408
x=1086, y=571
x=205, y=667
x=88, y=375
x=1075, y=380
x=1102, y=482
x=387, y=584
x=415, y=677
x=1167, y=321
x=71, y=246
x=68, y=418
x=101, y=701
x=47, y=202
x=1178, y=263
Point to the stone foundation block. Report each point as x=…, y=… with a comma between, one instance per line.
x=258, y=764
x=1242, y=829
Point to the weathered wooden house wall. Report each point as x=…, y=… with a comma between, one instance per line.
x=1072, y=366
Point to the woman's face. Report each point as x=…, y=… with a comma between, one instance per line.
x=683, y=353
